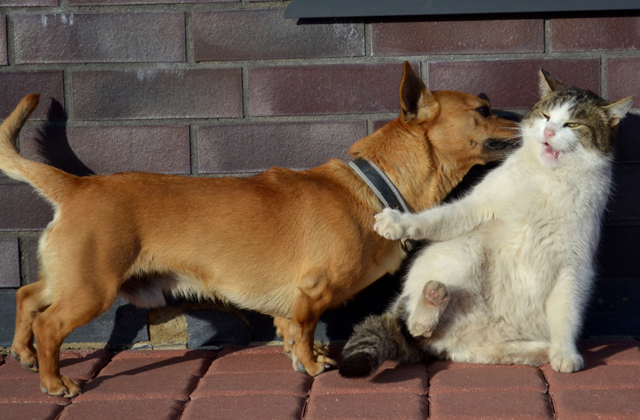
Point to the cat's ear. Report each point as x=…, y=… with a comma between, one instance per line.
x=414, y=95
x=548, y=83
x=617, y=110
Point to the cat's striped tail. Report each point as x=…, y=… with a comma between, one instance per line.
x=53, y=183
x=374, y=340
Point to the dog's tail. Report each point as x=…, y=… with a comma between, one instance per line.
x=374, y=340
x=51, y=182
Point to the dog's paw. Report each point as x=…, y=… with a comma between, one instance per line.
x=566, y=362
x=389, y=224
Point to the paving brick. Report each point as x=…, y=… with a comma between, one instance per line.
x=285, y=383
x=595, y=34
x=3, y=41
x=26, y=390
x=99, y=38
x=488, y=378
x=174, y=355
x=157, y=409
x=79, y=365
x=157, y=93
x=491, y=405
x=458, y=37
x=596, y=377
x=622, y=78
x=367, y=406
x=236, y=148
x=35, y=411
x=28, y=3
x=389, y=378
x=105, y=150
x=610, y=404
x=610, y=352
x=169, y=376
x=223, y=36
x=249, y=407
x=512, y=84
x=246, y=362
x=16, y=85
x=21, y=208
x=325, y=89
x=9, y=262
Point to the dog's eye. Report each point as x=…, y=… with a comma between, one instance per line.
x=571, y=125
x=484, y=111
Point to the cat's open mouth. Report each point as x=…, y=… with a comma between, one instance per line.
x=549, y=151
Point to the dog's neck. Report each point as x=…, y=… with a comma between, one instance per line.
x=421, y=176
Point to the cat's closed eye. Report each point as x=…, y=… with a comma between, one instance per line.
x=546, y=116
x=572, y=124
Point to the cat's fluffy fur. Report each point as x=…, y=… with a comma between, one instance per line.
x=509, y=273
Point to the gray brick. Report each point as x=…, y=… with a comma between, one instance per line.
x=22, y=208
x=512, y=84
x=106, y=150
x=235, y=148
x=3, y=41
x=224, y=36
x=144, y=94
x=458, y=37
x=9, y=263
x=89, y=38
x=327, y=89
x=16, y=85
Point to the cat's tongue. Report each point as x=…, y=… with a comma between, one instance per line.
x=550, y=151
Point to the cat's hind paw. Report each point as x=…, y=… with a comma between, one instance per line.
x=389, y=224
x=566, y=362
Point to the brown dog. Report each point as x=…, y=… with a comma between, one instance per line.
x=286, y=243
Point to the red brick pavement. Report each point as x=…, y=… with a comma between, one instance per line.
x=259, y=383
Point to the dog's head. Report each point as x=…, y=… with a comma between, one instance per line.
x=458, y=126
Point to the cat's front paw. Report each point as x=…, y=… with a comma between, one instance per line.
x=566, y=362
x=389, y=224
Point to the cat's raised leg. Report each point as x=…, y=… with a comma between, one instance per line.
x=441, y=223
x=443, y=271
x=425, y=316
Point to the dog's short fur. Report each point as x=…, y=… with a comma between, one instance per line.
x=286, y=243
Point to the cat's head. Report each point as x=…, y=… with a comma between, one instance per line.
x=569, y=122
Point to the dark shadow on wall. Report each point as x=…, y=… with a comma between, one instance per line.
x=53, y=143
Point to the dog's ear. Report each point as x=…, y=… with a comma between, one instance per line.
x=548, y=83
x=414, y=94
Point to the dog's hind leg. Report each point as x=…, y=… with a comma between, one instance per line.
x=80, y=301
x=31, y=300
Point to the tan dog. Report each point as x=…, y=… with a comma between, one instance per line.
x=285, y=243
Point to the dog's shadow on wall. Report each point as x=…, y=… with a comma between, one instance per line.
x=53, y=143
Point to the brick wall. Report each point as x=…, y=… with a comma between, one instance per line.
x=212, y=88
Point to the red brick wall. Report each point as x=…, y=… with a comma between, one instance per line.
x=208, y=87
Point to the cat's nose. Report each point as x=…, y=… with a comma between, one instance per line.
x=548, y=133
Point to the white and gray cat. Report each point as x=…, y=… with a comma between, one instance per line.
x=508, y=275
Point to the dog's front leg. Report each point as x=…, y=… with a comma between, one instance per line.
x=307, y=308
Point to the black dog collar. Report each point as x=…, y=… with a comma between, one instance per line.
x=383, y=188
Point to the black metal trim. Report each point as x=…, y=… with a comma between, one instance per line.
x=370, y=8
